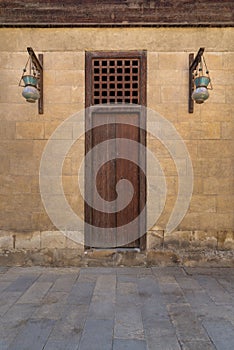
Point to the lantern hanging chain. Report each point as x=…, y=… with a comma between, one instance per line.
x=32, y=69
x=25, y=69
x=207, y=72
x=200, y=68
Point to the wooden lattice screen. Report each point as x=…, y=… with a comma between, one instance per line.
x=115, y=80
x=115, y=77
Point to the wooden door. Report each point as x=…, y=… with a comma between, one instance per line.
x=115, y=78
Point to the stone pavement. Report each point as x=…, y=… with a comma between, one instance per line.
x=116, y=308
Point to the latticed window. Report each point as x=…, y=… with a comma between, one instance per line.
x=115, y=78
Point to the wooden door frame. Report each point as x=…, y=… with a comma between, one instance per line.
x=142, y=56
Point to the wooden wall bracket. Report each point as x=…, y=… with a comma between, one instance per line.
x=193, y=63
x=38, y=63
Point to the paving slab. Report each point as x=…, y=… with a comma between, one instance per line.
x=188, y=327
x=130, y=344
x=33, y=336
x=155, y=342
x=13, y=322
x=35, y=293
x=67, y=332
x=221, y=332
x=170, y=308
x=21, y=284
x=198, y=345
x=81, y=293
x=97, y=335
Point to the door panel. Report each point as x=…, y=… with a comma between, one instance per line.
x=116, y=169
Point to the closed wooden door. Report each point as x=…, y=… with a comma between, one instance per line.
x=115, y=78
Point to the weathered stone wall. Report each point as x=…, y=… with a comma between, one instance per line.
x=208, y=132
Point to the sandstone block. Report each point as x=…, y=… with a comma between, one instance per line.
x=168, y=111
x=27, y=113
x=79, y=60
x=229, y=241
x=49, y=77
x=185, y=116
x=6, y=240
x=69, y=77
x=172, y=185
x=76, y=202
x=174, y=93
x=154, y=239
x=4, y=164
x=28, y=240
x=153, y=96
x=41, y=221
x=162, y=258
x=197, y=167
x=14, y=184
x=229, y=94
x=58, y=94
x=221, y=77
x=62, y=60
x=220, y=168
x=15, y=95
x=191, y=221
x=62, y=111
x=215, y=148
x=24, y=167
x=216, y=112
x=214, y=185
x=13, y=219
x=219, y=96
x=225, y=203
x=177, y=239
x=29, y=130
x=170, y=60
x=26, y=202
x=78, y=94
x=228, y=60
x=165, y=77
x=206, y=239
x=184, y=129
x=8, y=61
x=75, y=244
x=67, y=166
x=206, y=130
x=63, y=131
x=52, y=239
x=158, y=149
x=192, y=146
x=70, y=184
x=129, y=258
x=226, y=240
x=227, y=130
x=38, y=148
x=7, y=130
x=198, y=185
x=216, y=221
x=203, y=204
x=169, y=167
x=56, y=165
x=152, y=60
x=214, y=60
x=100, y=254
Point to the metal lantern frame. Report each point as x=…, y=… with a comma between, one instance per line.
x=35, y=75
x=198, y=71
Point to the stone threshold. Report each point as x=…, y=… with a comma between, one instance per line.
x=111, y=258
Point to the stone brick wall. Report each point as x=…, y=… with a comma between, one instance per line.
x=208, y=132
